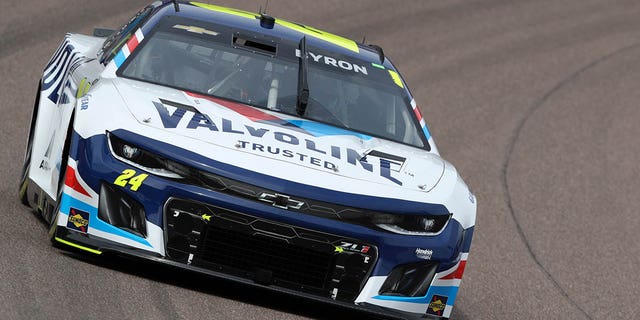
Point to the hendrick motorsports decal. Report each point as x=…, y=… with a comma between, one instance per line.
x=424, y=253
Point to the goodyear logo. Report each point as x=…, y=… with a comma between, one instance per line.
x=78, y=220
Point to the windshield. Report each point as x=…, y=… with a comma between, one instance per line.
x=217, y=61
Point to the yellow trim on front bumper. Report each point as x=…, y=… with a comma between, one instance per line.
x=78, y=246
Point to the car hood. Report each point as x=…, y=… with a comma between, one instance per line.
x=276, y=144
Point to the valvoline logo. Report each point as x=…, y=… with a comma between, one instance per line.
x=78, y=220
x=299, y=134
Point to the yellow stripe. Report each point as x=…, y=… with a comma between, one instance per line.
x=331, y=38
x=87, y=86
x=78, y=246
x=80, y=92
x=396, y=78
x=235, y=12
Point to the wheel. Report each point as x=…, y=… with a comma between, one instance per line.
x=24, y=176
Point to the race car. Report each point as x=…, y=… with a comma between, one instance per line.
x=250, y=148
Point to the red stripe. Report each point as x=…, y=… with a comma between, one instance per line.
x=418, y=114
x=132, y=43
x=457, y=274
x=252, y=113
x=71, y=181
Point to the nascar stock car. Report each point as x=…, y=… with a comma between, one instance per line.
x=251, y=148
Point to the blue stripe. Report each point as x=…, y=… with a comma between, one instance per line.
x=119, y=58
x=320, y=129
x=427, y=134
x=449, y=291
x=94, y=222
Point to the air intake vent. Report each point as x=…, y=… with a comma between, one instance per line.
x=254, y=45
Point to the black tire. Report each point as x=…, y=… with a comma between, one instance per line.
x=24, y=176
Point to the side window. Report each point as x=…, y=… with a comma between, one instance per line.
x=115, y=41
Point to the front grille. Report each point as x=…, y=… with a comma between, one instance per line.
x=250, y=253
x=294, y=203
x=267, y=252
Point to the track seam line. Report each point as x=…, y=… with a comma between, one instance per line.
x=507, y=161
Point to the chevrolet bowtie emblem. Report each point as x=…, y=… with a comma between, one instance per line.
x=197, y=30
x=280, y=201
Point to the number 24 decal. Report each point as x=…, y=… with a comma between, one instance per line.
x=127, y=177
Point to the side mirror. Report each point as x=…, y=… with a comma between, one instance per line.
x=102, y=32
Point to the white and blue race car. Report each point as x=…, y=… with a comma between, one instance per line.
x=251, y=148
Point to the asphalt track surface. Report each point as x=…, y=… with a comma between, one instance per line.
x=535, y=102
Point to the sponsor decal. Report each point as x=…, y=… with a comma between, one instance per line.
x=44, y=165
x=84, y=102
x=78, y=220
x=205, y=217
x=172, y=113
x=341, y=64
x=64, y=61
x=437, y=305
x=424, y=253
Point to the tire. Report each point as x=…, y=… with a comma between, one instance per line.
x=24, y=176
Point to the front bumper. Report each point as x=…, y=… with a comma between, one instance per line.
x=99, y=246
x=216, y=234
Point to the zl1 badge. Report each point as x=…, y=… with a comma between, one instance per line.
x=78, y=220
